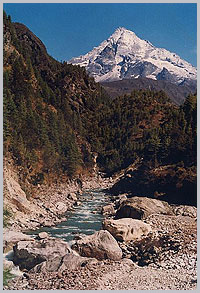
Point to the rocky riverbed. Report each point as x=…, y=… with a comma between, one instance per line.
x=160, y=256
x=49, y=205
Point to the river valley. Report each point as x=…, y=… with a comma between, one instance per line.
x=174, y=266
x=84, y=218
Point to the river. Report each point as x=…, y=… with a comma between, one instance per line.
x=85, y=218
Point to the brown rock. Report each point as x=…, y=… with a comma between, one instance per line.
x=122, y=197
x=108, y=209
x=18, y=196
x=142, y=207
x=72, y=196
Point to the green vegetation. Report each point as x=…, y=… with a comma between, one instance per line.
x=145, y=125
x=6, y=276
x=44, y=102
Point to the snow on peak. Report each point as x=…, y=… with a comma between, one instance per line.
x=125, y=36
x=125, y=55
x=121, y=31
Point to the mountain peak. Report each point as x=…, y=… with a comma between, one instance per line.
x=122, y=30
x=125, y=55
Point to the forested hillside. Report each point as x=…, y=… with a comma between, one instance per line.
x=145, y=125
x=56, y=118
x=44, y=101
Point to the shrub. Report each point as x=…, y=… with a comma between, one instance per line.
x=7, y=215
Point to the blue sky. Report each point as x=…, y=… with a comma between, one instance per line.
x=69, y=30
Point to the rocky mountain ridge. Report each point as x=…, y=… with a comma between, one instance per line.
x=176, y=93
x=124, y=55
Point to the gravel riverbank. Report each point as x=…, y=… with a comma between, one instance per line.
x=176, y=270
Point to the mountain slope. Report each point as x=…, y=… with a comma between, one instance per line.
x=57, y=119
x=124, y=55
x=70, y=116
x=177, y=93
x=45, y=105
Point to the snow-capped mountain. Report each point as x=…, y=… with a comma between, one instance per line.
x=124, y=55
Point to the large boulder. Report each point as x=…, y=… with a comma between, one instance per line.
x=101, y=245
x=10, y=238
x=67, y=262
x=28, y=254
x=142, y=207
x=127, y=229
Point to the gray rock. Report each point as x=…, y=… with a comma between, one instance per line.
x=68, y=262
x=10, y=238
x=61, y=207
x=101, y=245
x=28, y=254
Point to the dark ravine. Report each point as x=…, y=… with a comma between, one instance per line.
x=174, y=184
